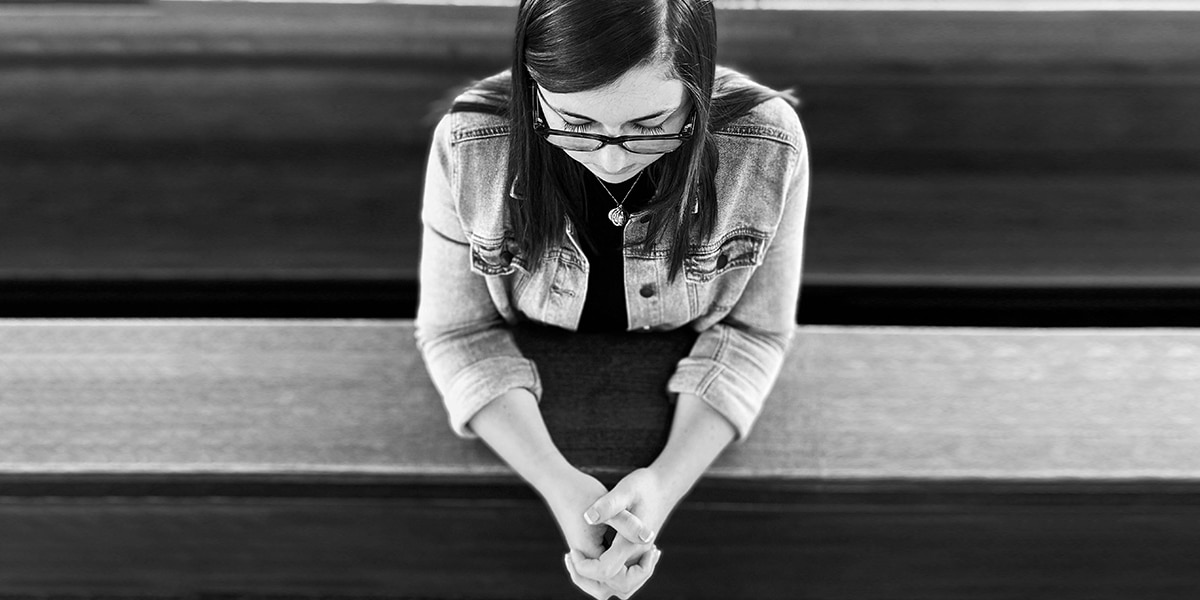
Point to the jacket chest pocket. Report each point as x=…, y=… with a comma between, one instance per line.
x=737, y=250
x=495, y=258
x=503, y=268
x=717, y=274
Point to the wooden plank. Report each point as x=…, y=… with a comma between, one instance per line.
x=1084, y=231
x=1100, y=86
x=1121, y=82
x=202, y=397
x=254, y=549
x=255, y=459
x=342, y=221
x=1124, y=37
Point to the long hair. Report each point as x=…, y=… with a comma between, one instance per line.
x=570, y=46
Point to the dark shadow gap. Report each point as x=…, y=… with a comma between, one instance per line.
x=821, y=304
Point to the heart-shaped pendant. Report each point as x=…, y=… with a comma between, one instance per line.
x=618, y=216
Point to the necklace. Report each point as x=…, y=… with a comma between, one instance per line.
x=618, y=216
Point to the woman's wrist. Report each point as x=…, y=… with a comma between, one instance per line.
x=513, y=427
x=560, y=487
x=698, y=435
x=556, y=476
x=671, y=483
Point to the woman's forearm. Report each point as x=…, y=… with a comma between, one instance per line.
x=698, y=435
x=513, y=427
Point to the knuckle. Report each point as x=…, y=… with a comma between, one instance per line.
x=609, y=508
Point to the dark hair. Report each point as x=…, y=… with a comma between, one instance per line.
x=570, y=46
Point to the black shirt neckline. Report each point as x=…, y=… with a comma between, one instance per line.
x=604, y=307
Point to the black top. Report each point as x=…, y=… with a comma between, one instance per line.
x=604, y=307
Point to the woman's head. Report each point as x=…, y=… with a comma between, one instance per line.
x=614, y=62
x=599, y=67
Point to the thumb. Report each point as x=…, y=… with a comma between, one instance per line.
x=613, y=510
x=630, y=527
x=607, y=506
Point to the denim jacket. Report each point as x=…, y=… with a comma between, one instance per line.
x=739, y=287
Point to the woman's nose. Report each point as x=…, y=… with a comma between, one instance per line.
x=612, y=158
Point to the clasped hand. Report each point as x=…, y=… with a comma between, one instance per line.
x=635, y=508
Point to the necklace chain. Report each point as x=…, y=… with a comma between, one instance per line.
x=618, y=215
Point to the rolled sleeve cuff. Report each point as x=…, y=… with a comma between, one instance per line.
x=484, y=381
x=735, y=397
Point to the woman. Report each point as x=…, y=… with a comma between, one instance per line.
x=613, y=179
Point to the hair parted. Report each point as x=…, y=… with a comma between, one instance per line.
x=570, y=46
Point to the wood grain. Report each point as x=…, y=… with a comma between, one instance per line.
x=352, y=548
x=352, y=397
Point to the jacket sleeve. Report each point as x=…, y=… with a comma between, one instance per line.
x=733, y=364
x=467, y=347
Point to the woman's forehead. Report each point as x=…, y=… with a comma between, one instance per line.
x=639, y=93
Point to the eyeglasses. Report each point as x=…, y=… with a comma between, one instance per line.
x=590, y=142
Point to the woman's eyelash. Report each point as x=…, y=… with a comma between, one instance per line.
x=583, y=127
x=573, y=127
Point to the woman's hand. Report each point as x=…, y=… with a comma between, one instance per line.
x=623, y=586
x=570, y=497
x=636, y=507
x=513, y=427
x=698, y=434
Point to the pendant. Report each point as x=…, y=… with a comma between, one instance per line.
x=618, y=216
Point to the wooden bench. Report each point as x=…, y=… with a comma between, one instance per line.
x=227, y=159
x=240, y=459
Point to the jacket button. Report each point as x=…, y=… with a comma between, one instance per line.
x=722, y=261
x=647, y=290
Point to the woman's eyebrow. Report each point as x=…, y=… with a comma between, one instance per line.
x=587, y=118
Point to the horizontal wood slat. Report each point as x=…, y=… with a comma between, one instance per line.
x=343, y=219
x=343, y=549
x=352, y=397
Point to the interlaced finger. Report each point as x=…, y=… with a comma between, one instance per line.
x=611, y=563
x=591, y=587
x=636, y=576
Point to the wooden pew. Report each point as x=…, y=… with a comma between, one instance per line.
x=255, y=459
x=230, y=158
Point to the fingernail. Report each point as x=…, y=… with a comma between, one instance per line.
x=591, y=517
x=646, y=536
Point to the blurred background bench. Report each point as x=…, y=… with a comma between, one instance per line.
x=265, y=160
x=224, y=159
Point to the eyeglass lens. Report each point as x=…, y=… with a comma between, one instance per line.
x=639, y=146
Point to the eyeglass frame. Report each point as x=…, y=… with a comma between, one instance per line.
x=541, y=128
